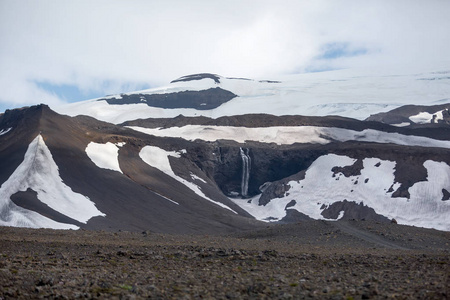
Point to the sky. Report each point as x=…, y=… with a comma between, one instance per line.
x=59, y=51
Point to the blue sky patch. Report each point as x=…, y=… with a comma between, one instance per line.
x=72, y=93
x=317, y=69
x=337, y=50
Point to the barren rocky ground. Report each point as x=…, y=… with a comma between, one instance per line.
x=313, y=259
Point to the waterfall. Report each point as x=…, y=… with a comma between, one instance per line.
x=246, y=164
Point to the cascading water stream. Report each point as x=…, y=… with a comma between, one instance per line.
x=246, y=164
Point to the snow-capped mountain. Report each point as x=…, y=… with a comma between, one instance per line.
x=215, y=154
x=348, y=93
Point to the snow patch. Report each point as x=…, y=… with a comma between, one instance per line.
x=195, y=177
x=159, y=158
x=105, y=156
x=403, y=124
x=39, y=172
x=424, y=208
x=425, y=117
x=289, y=134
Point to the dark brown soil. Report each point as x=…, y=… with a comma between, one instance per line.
x=314, y=259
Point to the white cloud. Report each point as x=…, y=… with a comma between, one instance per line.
x=88, y=43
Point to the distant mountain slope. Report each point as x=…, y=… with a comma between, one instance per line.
x=220, y=174
x=138, y=198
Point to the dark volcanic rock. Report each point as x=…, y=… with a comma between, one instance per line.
x=24, y=124
x=202, y=100
x=445, y=195
x=348, y=171
x=294, y=216
x=352, y=211
x=280, y=188
x=200, y=76
x=261, y=120
x=269, y=164
x=446, y=116
x=29, y=200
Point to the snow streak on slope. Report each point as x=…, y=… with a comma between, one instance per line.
x=39, y=172
x=5, y=131
x=373, y=188
x=104, y=156
x=159, y=158
x=289, y=135
x=349, y=93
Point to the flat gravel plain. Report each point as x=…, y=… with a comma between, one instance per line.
x=307, y=260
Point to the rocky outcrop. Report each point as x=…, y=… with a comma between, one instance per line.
x=402, y=114
x=351, y=210
x=200, y=76
x=201, y=100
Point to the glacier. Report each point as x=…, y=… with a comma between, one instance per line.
x=355, y=93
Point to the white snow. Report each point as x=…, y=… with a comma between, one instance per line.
x=289, y=135
x=425, y=117
x=355, y=93
x=159, y=158
x=425, y=207
x=105, y=156
x=341, y=215
x=5, y=131
x=403, y=124
x=39, y=172
x=273, y=211
x=174, y=202
x=195, y=177
x=279, y=135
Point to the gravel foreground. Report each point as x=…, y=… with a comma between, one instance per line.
x=316, y=259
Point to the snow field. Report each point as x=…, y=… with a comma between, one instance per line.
x=425, y=207
x=354, y=93
x=289, y=135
